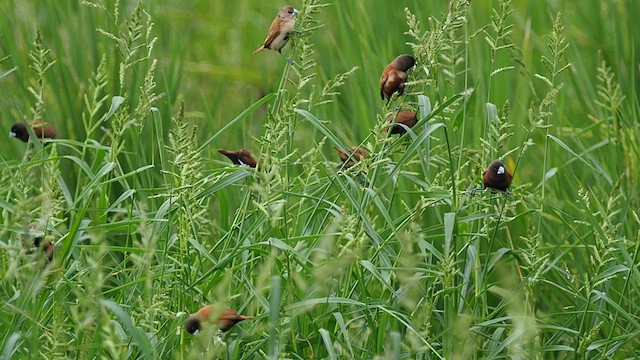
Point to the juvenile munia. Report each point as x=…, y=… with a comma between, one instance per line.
x=280, y=30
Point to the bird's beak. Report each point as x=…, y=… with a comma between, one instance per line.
x=12, y=134
x=295, y=11
x=501, y=170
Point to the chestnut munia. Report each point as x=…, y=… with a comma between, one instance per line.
x=279, y=31
x=39, y=241
x=406, y=118
x=497, y=176
x=239, y=157
x=356, y=153
x=40, y=128
x=47, y=246
x=223, y=318
x=394, y=76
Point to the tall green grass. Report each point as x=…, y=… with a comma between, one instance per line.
x=392, y=258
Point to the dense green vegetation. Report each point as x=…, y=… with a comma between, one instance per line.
x=392, y=258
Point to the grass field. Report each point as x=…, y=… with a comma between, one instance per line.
x=392, y=258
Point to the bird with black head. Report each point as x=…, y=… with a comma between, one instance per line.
x=41, y=130
x=240, y=157
x=223, y=318
x=496, y=177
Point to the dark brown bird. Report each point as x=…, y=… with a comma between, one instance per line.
x=40, y=128
x=46, y=245
x=406, y=118
x=239, y=157
x=497, y=176
x=395, y=75
x=356, y=153
x=224, y=319
x=39, y=241
x=279, y=31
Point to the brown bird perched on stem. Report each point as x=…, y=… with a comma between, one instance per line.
x=239, y=157
x=223, y=318
x=394, y=76
x=356, y=153
x=406, y=118
x=40, y=128
x=279, y=31
x=496, y=177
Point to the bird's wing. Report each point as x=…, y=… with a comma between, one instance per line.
x=383, y=81
x=274, y=31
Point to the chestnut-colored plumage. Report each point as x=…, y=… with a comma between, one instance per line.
x=280, y=29
x=224, y=319
x=47, y=246
x=394, y=76
x=239, y=157
x=406, y=118
x=39, y=241
x=40, y=128
x=497, y=176
x=356, y=155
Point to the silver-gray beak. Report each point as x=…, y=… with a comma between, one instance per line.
x=501, y=170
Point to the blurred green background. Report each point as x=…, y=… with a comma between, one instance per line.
x=386, y=263
x=204, y=51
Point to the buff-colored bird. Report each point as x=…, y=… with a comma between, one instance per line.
x=280, y=30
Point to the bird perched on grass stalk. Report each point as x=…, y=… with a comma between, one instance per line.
x=239, y=157
x=496, y=177
x=406, y=118
x=394, y=76
x=280, y=30
x=223, y=318
x=41, y=129
x=354, y=154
